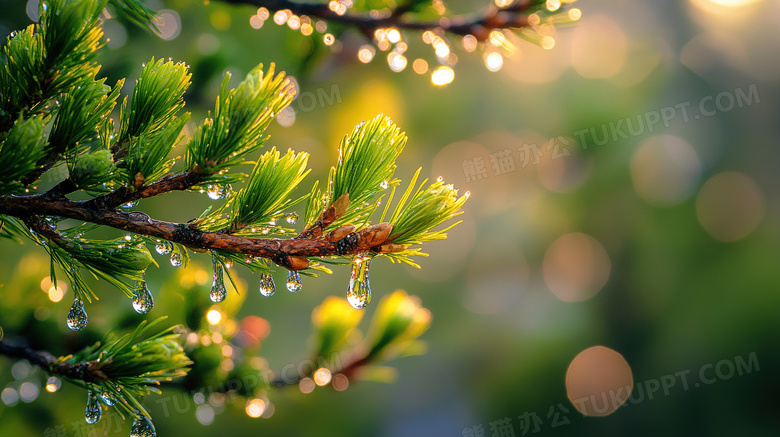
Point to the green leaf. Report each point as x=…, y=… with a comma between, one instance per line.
x=365, y=167
x=157, y=96
x=240, y=117
x=20, y=151
x=267, y=192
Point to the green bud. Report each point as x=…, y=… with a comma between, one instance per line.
x=136, y=258
x=92, y=167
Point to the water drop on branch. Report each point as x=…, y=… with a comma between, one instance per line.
x=164, y=247
x=93, y=412
x=77, y=316
x=142, y=427
x=267, y=286
x=218, y=291
x=143, y=302
x=294, y=281
x=359, y=288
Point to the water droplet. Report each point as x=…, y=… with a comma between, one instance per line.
x=130, y=204
x=164, y=247
x=143, y=302
x=106, y=399
x=93, y=412
x=292, y=218
x=218, y=291
x=293, y=281
x=384, y=185
x=12, y=35
x=137, y=215
x=142, y=427
x=176, y=259
x=217, y=192
x=267, y=286
x=249, y=259
x=77, y=316
x=359, y=289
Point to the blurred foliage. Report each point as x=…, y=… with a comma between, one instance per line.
x=676, y=298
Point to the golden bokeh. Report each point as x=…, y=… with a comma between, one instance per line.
x=665, y=170
x=598, y=47
x=576, y=267
x=729, y=206
x=598, y=381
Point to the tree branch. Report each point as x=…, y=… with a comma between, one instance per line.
x=86, y=371
x=291, y=254
x=479, y=25
x=348, y=370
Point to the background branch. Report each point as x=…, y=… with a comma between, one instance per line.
x=478, y=25
x=83, y=371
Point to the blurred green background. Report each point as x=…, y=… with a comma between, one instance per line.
x=655, y=237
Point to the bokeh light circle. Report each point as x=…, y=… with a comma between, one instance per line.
x=576, y=267
x=665, y=170
x=729, y=206
x=598, y=381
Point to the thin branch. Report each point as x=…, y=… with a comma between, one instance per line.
x=348, y=370
x=291, y=254
x=479, y=25
x=86, y=371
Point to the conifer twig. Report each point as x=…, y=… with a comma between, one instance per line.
x=288, y=253
x=479, y=25
x=83, y=371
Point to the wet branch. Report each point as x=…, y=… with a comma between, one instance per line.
x=86, y=371
x=478, y=24
x=289, y=253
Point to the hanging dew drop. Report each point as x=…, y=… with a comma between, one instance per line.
x=267, y=286
x=93, y=412
x=143, y=302
x=292, y=218
x=294, y=281
x=106, y=399
x=77, y=316
x=217, y=192
x=359, y=288
x=142, y=427
x=176, y=259
x=384, y=185
x=218, y=291
x=164, y=247
x=130, y=204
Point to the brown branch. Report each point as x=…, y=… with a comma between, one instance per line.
x=291, y=254
x=86, y=371
x=479, y=25
x=349, y=370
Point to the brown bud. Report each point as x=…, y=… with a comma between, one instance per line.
x=377, y=234
x=340, y=233
x=341, y=204
x=296, y=262
x=138, y=180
